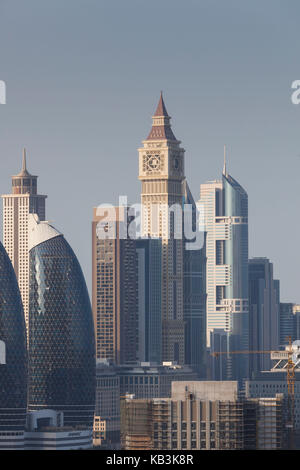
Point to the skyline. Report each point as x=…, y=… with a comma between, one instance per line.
x=71, y=143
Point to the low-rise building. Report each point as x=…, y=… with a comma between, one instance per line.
x=107, y=407
x=45, y=430
x=144, y=380
x=202, y=415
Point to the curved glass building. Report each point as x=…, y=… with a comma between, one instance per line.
x=61, y=332
x=236, y=290
x=225, y=206
x=13, y=358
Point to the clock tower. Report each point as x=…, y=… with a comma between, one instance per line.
x=161, y=171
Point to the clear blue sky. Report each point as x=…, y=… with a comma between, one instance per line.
x=83, y=80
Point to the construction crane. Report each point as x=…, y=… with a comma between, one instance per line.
x=291, y=356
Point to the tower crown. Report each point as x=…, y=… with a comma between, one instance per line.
x=24, y=182
x=161, y=127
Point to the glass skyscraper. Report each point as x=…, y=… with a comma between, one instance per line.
x=13, y=364
x=61, y=333
x=264, y=309
x=148, y=252
x=194, y=292
x=225, y=205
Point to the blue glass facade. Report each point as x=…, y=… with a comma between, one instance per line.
x=13, y=372
x=149, y=299
x=195, y=310
x=264, y=308
x=61, y=334
x=236, y=257
x=194, y=291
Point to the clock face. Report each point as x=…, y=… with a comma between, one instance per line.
x=152, y=163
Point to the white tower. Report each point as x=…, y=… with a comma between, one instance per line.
x=16, y=208
x=225, y=205
x=161, y=171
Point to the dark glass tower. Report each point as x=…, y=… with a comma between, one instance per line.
x=264, y=309
x=13, y=363
x=61, y=333
x=148, y=252
x=194, y=293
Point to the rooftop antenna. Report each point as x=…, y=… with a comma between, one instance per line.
x=24, y=160
x=224, y=167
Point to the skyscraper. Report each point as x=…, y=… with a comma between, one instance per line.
x=24, y=200
x=13, y=364
x=225, y=206
x=289, y=322
x=263, y=313
x=148, y=252
x=194, y=294
x=161, y=171
x=114, y=286
x=62, y=365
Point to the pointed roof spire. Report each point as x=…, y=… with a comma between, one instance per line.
x=24, y=171
x=224, y=167
x=24, y=182
x=161, y=127
x=161, y=109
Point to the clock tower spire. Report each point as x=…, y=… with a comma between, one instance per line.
x=161, y=127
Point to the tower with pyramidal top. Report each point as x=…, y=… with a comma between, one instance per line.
x=161, y=171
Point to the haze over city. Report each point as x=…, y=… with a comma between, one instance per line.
x=83, y=80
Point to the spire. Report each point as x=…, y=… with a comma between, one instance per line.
x=24, y=169
x=224, y=167
x=24, y=182
x=161, y=127
x=161, y=109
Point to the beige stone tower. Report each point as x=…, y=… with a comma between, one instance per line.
x=16, y=208
x=161, y=171
x=114, y=287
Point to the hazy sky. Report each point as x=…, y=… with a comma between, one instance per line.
x=83, y=79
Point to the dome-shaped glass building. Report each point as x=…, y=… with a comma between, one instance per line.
x=61, y=333
x=13, y=358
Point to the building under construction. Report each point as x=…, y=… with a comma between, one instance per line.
x=205, y=416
